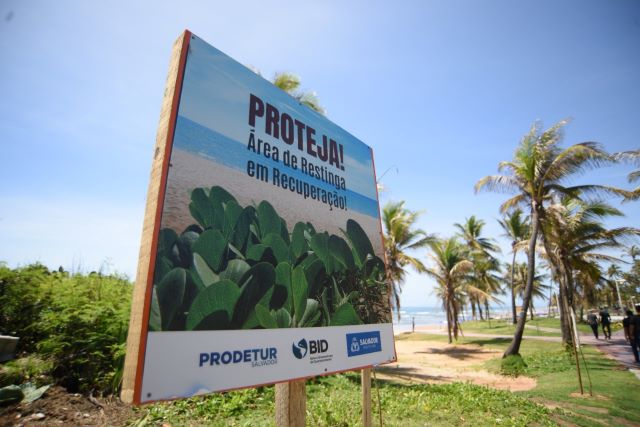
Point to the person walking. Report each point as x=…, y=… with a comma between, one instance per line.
x=634, y=332
x=605, y=321
x=625, y=325
x=592, y=320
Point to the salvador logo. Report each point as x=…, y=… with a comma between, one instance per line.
x=355, y=347
x=300, y=349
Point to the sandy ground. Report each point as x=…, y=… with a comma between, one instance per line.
x=437, y=362
x=189, y=171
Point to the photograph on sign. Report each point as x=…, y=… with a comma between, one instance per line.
x=269, y=262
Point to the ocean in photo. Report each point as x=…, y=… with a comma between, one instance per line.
x=214, y=146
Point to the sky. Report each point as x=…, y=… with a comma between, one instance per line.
x=441, y=90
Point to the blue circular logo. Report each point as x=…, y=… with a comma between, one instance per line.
x=300, y=349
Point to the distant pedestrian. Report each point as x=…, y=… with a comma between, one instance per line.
x=592, y=320
x=634, y=332
x=605, y=320
x=625, y=325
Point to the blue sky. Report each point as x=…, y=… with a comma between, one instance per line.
x=441, y=90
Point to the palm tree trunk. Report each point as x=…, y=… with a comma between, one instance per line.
x=531, y=311
x=570, y=285
x=560, y=273
x=566, y=301
x=454, y=306
x=565, y=318
x=513, y=286
x=448, y=310
x=514, y=347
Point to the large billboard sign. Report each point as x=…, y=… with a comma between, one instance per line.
x=262, y=254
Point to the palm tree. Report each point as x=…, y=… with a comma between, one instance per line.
x=574, y=238
x=485, y=278
x=290, y=83
x=535, y=174
x=633, y=157
x=470, y=232
x=633, y=252
x=449, y=271
x=614, y=273
x=517, y=229
x=401, y=236
x=539, y=288
x=479, y=251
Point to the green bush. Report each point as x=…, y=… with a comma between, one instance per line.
x=86, y=326
x=30, y=368
x=77, y=322
x=24, y=293
x=513, y=365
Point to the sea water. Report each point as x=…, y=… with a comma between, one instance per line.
x=435, y=316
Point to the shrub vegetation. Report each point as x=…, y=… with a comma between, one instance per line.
x=74, y=326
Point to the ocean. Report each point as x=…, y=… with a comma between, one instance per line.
x=435, y=316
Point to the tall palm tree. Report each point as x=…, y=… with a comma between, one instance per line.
x=539, y=288
x=401, y=236
x=517, y=229
x=574, y=239
x=479, y=251
x=614, y=273
x=290, y=83
x=449, y=271
x=485, y=277
x=471, y=232
x=535, y=174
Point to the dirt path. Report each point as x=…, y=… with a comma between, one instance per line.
x=437, y=363
x=616, y=348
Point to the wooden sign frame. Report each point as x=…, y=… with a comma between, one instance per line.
x=141, y=301
x=362, y=341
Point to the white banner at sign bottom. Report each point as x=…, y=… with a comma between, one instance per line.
x=183, y=364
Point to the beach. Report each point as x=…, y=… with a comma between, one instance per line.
x=188, y=171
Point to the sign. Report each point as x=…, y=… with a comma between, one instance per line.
x=262, y=257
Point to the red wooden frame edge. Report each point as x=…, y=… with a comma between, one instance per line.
x=175, y=103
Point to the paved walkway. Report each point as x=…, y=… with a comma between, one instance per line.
x=616, y=348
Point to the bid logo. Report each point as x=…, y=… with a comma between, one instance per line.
x=304, y=347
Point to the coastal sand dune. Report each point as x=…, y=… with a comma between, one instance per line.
x=188, y=171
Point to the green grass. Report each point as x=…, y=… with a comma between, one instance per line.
x=582, y=327
x=615, y=396
x=335, y=401
x=615, y=401
x=505, y=327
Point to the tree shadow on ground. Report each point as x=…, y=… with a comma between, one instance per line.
x=459, y=353
x=488, y=341
x=409, y=373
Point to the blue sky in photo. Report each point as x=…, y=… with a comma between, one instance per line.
x=441, y=90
